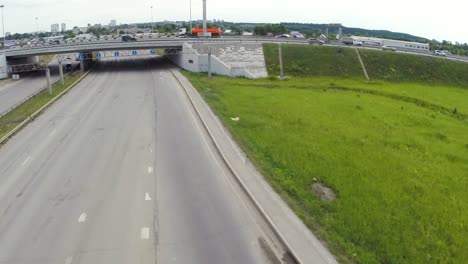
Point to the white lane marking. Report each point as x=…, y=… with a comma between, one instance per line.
x=26, y=161
x=145, y=233
x=147, y=197
x=82, y=218
x=69, y=260
x=53, y=132
x=151, y=150
x=150, y=169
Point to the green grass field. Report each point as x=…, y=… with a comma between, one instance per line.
x=9, y=121
x=320, y=61
x=394, y=153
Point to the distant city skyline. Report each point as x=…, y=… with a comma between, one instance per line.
x=427, y=21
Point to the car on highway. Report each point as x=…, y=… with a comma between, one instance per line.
x=128, y=39
x=316, y=41
x=440, y=53
x=284, y=36
x=388, y=48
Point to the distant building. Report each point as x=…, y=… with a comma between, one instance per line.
x=7, y=34
x=113, y=23
x=78, y=30
x=64, y=27
x=54, y=28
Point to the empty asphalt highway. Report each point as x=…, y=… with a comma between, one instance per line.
x=119, y=171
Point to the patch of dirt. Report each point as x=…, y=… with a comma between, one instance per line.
x=324, y=193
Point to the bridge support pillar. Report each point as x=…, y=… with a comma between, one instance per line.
x=86, y=61
x=61, y=72
x=3, y=66
x=49, y=83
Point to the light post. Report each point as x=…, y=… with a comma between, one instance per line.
x=191, y=17
x=152, y=20
x=204, y=18
x=37, y=30
x=3, y=26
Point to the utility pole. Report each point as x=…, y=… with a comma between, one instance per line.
x=3, y=26
x=191, y=17
x=280, y=62
x=209, y=63
x=204, y=19
x=62, y=81
x=49, y=83
x=37, y=30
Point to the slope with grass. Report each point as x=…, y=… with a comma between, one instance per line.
x=319, y=61
x=395, y=153
x=399, y=169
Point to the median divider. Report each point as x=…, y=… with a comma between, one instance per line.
x=32, y=116
x=303, y=250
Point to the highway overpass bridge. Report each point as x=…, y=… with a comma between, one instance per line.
x=180, y=51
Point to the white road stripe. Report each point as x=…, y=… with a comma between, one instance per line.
x=150, y=169
x=26, y=161
x=69, y=260
x=53, y=132
x=145, y=233
x=147, y=197
x=82, y=218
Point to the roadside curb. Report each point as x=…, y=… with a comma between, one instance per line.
x=31, y=117
x=238, y=179
x=306, y=250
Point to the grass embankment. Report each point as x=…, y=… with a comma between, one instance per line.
x=396, y=155
x=319, y=61
x=9, y=121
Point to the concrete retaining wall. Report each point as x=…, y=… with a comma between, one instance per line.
x=225, y=60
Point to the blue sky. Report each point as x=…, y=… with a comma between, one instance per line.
x=424, y=18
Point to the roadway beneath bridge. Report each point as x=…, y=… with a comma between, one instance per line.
x=119, y=171
x=13, y=92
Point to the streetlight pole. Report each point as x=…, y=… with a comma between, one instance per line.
x=37, y=30
x=3, y=26
x=191, y=17
x=204, y=19
x=152, y=21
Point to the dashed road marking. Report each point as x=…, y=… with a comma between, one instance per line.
x=69, y=260
x=150, y=169
x=145, y=233
x=147, y=197
x=53, y=132
x=26, y=161
x=82, y=218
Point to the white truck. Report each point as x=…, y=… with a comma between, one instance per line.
x=352, y=41
x=182, y=32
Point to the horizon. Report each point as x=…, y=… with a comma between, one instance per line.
x=430, y=22
x=242, y=22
